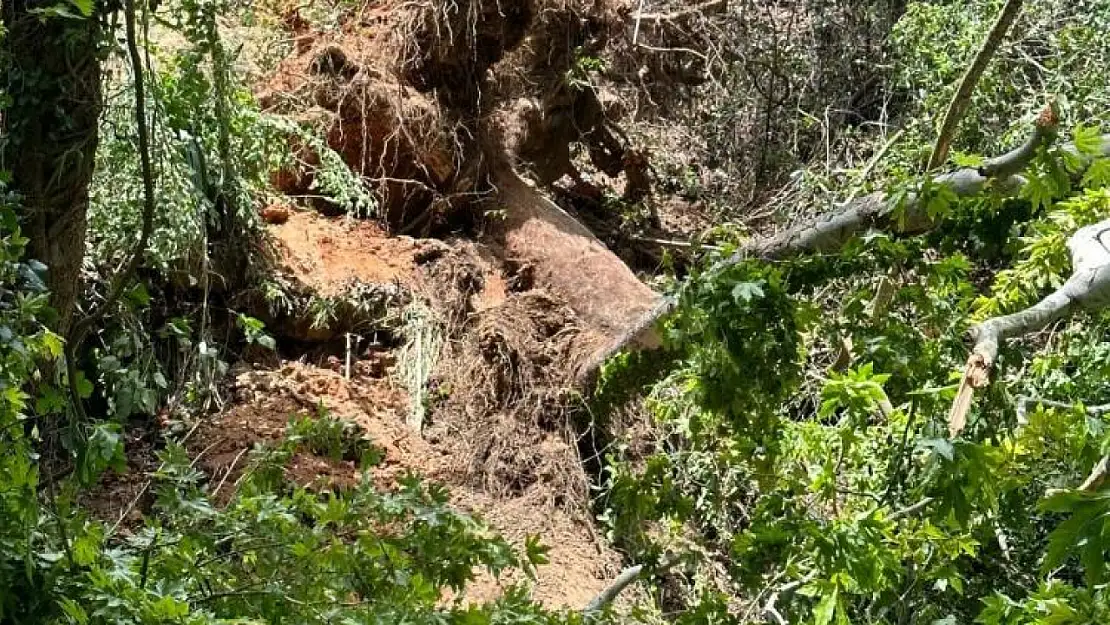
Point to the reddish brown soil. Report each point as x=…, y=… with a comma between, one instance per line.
x=326, y=253
x=391, y=88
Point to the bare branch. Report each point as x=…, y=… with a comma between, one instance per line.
x=962, y=97
x=624, y=580
x=910, y=510
x=610, y=593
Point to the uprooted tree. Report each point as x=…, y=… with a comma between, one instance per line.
x=777, y=473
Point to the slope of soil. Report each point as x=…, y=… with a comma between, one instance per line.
x=325, y=254
x=496, y=434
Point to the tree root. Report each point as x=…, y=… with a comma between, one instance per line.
x=1088, y=287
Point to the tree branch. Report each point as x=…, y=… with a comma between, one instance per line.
x=1088, y=287
x=609, y=594
x=624, y=580
x=962, y=97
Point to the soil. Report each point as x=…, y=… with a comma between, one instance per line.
x=326, y=254
x=516, y=310
x=497, y=437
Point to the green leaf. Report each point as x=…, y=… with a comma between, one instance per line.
x=74, y=611
x=1087, y=140
x=1065, y=537
x=85, y=550
x=1097, y=174
x=139, y=295
x=535, y=551
x=84, y=386
x=84, y=6
x=940, y=446
x=747, y=291
x=1094, y=564
x=1038, y=190
x=826, y=608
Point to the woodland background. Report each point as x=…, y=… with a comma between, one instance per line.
x=554, y=311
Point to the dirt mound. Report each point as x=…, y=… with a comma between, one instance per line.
x=265, y=400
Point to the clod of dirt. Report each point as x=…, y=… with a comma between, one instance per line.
x=327, y=253
x=275, y=214
x=332, y=61
x=395, y=137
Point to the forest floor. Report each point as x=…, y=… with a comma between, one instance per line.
x=326, y=252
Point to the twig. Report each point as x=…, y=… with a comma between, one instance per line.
x=347, y=368
x=867, y=169
x=910, y=510
x=1088, y=286
x=772, y=611
x=1097, y=477
x=962, y=98
x=685, y=245
x=230, y=468
x=639, y=18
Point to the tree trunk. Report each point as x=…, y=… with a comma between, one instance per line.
x=51, y=129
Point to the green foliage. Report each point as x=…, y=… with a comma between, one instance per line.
x=275, y=553
x=836, y=487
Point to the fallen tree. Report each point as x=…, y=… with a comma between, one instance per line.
x=909, y=215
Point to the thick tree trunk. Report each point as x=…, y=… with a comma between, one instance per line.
x=51, y=129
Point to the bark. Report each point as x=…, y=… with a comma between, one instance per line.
x=1088, y=287
x=567, y=259
x=52, y=137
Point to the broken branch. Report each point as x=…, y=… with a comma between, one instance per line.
x=1088, y=287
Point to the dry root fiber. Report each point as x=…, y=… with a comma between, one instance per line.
x=501, y=389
